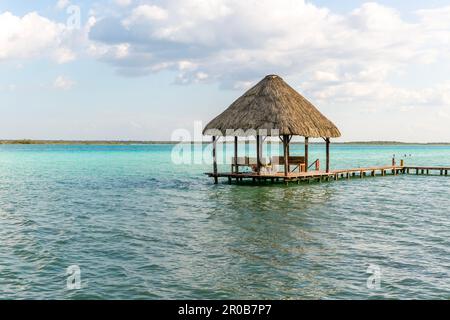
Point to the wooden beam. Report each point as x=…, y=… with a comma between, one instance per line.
x=258, y=155
x=261, y=145
x=327, y=142
x=288, y=147
x=288, y=151
x=286, y=154
x=214, y=140
x=236, y=167
x=306, y=153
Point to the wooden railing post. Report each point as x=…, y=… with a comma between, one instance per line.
x=327, y=142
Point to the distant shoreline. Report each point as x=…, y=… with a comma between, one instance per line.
x=132, y=142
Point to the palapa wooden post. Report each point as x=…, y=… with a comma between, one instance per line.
x=214, y=140
x=236, y=167
x=289, y=145
x=306, y=153
x=286, y=154
x=327, y=142
x=258, y=155
x=288, y=141
x=261, y=144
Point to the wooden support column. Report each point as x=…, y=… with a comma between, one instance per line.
x=261, y=145
x=286, y=154
x=306, y=153
x=288, y=142
x=258, y=155
x=214, y=140
x=236, y=167
x=327, y=142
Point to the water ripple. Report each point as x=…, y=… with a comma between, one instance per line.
x=141, y=228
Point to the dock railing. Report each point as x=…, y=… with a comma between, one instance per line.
x=316, y=163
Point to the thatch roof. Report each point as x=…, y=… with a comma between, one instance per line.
x=272, y=104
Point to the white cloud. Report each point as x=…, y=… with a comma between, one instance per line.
x=32, y=36
x=437, y=19
x=62, y=4
x=349, y=64
x=382, y=94
x=122, y=50
x=325, y=76
x=348, y=57
x=145, y=14
x=64, y=55
x=123, y=3
x=63, y=83
x=237, y=42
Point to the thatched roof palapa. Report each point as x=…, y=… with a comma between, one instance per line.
x=272, y=105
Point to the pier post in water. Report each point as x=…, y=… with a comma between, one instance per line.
x=327, y=142
x=306, y=153
x=286, y=154
x=214, y=140
x=236, y=167
x=258, y=154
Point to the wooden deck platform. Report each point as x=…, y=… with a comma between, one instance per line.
x=310, y=175
x=276, y=176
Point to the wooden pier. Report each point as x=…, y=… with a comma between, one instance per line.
x=443, y=171
x=273, y=109
x=319, y=176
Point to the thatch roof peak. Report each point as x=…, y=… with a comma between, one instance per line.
x=272, y=105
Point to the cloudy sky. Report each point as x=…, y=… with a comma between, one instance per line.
x=137, y=69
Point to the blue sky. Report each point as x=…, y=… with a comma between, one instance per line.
x=138, y=70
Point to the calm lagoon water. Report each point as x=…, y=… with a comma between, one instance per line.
x=140, y=227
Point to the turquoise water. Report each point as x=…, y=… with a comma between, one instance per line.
x=140, y=227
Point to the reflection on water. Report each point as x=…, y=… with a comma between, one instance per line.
x=269, y=233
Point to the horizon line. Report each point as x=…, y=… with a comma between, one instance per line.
x=127, y=142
